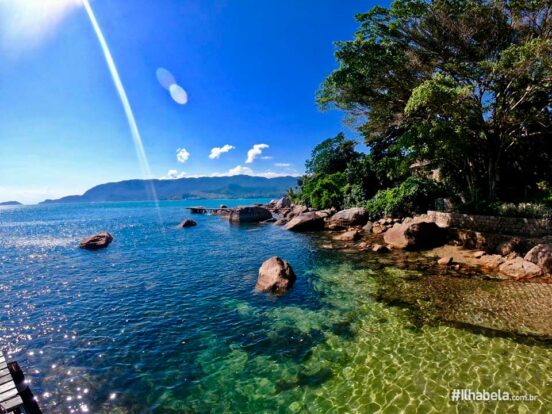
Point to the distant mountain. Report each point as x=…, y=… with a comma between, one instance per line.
x=10, y=203
x=237, y=186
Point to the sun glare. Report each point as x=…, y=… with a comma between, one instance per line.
x=26, y=23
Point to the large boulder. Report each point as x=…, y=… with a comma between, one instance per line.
x=415, y=235
x=97, y=241
x=541, y=255
x=491, y=261
x=305, y=222
x=276, y=276
x=350, y=235
x=296, y=211
x=519, y=268
x=284, y=202
x=253, y=214
x=350, y=217
x=188, y=223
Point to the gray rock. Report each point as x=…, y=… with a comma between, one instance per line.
x=541, y=255
x=284, y=202
x=253, y=214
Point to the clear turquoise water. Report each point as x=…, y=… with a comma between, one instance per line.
x=166, y=320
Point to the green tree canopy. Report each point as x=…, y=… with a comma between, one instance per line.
x=463, y=84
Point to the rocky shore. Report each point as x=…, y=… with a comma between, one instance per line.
x=503, y=257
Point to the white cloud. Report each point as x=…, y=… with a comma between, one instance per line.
x=266, y=157
x=241, y=170
x=216, y=151
x=254, y=152
x=173, y=175
x=238, y=169
x=182, y=155
x=282, y=164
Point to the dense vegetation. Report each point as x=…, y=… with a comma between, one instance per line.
x=456, y=91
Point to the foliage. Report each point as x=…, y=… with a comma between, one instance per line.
x=464, y=84
x=525, y=210
x=332, y=155
x=414, y=195
x=337, y=176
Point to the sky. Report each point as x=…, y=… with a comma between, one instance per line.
x=244, y=74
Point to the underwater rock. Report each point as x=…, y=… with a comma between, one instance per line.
x=492, y=261
x=276, y=276
x=187, y=223
x=445, y=261
x=306, y=221
x=520, y=269
x=379, y=248
x=97, y=241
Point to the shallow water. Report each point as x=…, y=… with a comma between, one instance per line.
x=166, y=320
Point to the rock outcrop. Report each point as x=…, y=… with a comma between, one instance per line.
x=97, y=241
x=187, y=223
x=284, y=202
x=350, y=217
x=541, y=255
x=276, y=276
x=349, y=235
x=491, y=261
x=415, y=235
x=519, y=268
x=253, y=214
x=305, y=222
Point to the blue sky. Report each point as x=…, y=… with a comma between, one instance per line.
x=250, y=69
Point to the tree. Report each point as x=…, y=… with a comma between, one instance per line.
x=463, y=84
x=337, y=175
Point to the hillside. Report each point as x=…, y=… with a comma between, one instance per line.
x=238, y=186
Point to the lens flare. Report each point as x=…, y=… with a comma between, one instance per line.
x=25, y=24
x=135, y=132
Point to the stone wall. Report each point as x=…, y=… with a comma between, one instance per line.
x=493, y=224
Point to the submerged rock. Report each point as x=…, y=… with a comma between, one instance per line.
x=520, y=269
x=415, y=235
x=305, y=222
x=187, y=223
x=253, y=214
x=379, y=248
x=276, y=276
x=541, y=255
x=492, y=261
x=97, y=241
x=445, y=261
x=350, y=217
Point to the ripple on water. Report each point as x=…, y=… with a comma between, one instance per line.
x=169, y=322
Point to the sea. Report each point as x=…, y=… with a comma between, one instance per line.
x=167, y=320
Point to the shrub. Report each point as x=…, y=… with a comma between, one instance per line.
x=414, y=195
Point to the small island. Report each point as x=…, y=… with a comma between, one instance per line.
x=10, y=203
